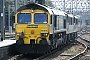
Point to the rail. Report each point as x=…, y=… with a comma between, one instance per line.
x=81, y=53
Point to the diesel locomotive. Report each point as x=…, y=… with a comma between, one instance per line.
x=40, y=29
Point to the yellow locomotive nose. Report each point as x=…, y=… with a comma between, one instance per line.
x=32, y=31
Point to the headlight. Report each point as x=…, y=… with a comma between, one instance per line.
x=20, y=34
x=44, y=34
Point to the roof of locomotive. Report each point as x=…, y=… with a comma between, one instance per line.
x=76, y=17
x=70, y=15
x=42, y=7
x=32, y=6
x=62, y=13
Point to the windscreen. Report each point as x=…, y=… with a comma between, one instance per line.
x=24, y=18
x=40, y=18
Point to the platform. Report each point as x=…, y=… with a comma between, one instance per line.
x=7, y=43
x=7, y=48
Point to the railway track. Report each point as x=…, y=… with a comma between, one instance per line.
x=56, y=54
x=83, y=38
x=59, y=53
x=67, y=53
x=53, y=56
x=86, y=56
